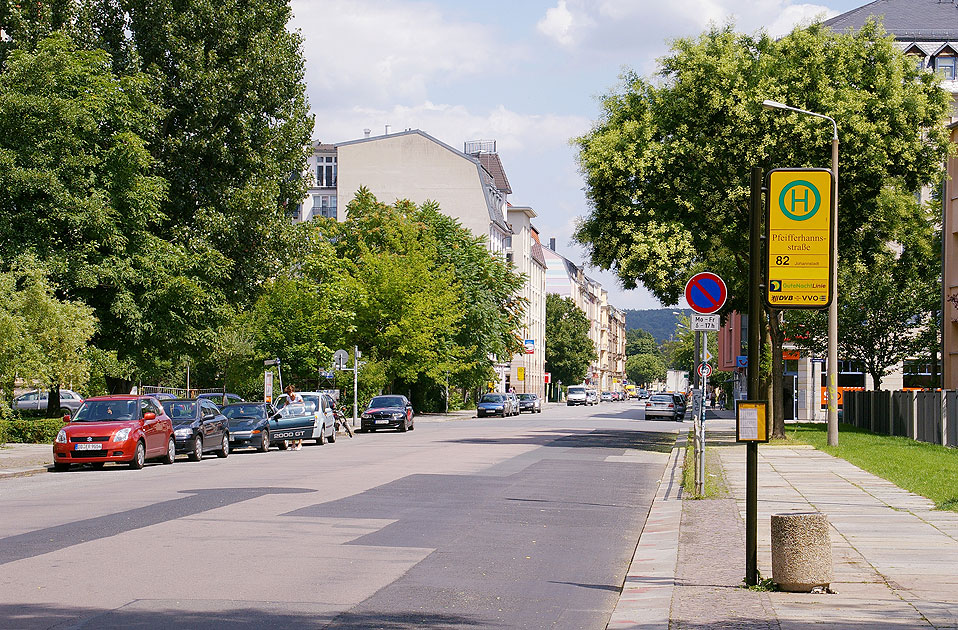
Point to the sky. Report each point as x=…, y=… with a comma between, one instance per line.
x=528, y=74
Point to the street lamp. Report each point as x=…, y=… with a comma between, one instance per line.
x=832, y=382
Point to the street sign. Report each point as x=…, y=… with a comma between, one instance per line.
x=530, y=345
x=268, y=386
x=705, y=322
x=798, y=233
x=705, y=370
x=340, y=359
x=696, y=402
x=705, y=293
x=520, y=373
x=548, y=378
x=741, y=361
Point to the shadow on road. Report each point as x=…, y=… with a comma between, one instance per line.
x=601, y=438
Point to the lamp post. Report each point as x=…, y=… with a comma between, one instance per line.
x=832, y=367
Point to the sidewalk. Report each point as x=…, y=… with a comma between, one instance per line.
x=17, y=460
x=895, y=558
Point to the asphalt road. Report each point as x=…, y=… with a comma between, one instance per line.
x=524, y=522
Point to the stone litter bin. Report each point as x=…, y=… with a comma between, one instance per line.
x=801, y=551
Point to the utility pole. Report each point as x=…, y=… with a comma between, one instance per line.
x=355, y=385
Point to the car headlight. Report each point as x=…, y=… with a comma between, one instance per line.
x=399, y=415
x=122, y=435
x=367, y=415
x=61, y=437
x=183, y=432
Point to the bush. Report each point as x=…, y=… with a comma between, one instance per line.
x=40, y=431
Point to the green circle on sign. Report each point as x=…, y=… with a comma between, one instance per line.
x=795, y=202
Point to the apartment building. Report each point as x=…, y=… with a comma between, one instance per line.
x=527, y=370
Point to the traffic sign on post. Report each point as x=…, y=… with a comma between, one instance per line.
x=799, y=236
x=705, y=322
x=705, y=293
x=705, y=370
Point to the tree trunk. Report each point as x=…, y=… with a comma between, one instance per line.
x=53, y=400
x=876, y=380
x=777, y=334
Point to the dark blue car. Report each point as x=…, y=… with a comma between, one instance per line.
x=249, y=425
x=198, y=427
x=495, y=405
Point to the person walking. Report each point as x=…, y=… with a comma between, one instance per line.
x=292, y=399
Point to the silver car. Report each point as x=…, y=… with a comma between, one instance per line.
x=663, y=406
x=36, y=402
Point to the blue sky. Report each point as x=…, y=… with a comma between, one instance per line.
x=526, y=73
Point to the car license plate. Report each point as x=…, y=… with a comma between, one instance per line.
x=86, y=447
x=382, y=421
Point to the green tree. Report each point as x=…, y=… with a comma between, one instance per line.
x=638, y=341
x=667, y=165
x=643, y=369
x=569, y=351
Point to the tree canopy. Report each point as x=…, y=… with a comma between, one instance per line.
x=569, y=351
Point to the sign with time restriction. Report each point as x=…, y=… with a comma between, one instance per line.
x=798, y=225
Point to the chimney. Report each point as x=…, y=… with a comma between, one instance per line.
x=366, y=132
x=552, y=244
x=388, y=127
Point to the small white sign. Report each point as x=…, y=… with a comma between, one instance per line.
x=268, y=386
x=705, y=322
x=696, y=403
x=748, y=423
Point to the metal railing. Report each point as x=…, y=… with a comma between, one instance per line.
x=925, y=416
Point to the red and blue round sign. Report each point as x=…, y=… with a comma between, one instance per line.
x=706, y=293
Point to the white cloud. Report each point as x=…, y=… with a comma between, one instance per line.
x=383, y=51
x=625, y=25
x=453, y=124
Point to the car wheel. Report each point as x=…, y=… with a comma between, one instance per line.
x=264, y=447
x=332, y=436
x=139, y=458
x=61, y=466
x=197, y=453
x=224, y=446
x=321, y=440
x=403, y=427
x=170, y=452
x=64, y=411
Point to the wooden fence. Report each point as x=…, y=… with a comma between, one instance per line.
x=923, y=416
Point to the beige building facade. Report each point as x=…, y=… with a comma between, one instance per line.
x=527, y=370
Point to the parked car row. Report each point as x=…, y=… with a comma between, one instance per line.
x=36, y=402
x=132, y=429
x=508, y=404
x=668, y=405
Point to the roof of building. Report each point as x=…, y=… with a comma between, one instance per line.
x=496, y=215
x=912, y=20
x=326, y=148
x=492, y=164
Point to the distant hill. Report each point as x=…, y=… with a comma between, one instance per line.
x=658, y=321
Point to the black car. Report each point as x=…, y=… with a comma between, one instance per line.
x=249, y=425
x=198, y=427
x=221, y=399
x=530, y=402
x=391, y=411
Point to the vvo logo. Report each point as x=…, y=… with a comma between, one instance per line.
x=800, y=200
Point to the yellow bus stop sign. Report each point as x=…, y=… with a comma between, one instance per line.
x=798, y=231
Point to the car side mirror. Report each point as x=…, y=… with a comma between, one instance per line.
x=149, y=415
x=66, y=418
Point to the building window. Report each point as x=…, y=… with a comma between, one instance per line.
x=946, y=65
x=326, y=171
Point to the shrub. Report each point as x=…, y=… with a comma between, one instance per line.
x=40, y=431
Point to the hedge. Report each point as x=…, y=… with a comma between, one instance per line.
x=39, y=431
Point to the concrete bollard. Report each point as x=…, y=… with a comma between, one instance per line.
x=801, y=551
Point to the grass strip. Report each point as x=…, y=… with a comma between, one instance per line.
x=715, y=487
x=926, y=469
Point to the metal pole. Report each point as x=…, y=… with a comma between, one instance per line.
x=705, y=381
x=754, y=355
x=279, y=368
x=355, y=385
x=696, y=442
x=833, y=308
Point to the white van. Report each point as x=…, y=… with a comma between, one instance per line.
x=577, y=396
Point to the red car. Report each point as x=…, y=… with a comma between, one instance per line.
x=129, y=429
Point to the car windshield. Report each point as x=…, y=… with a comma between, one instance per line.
x=527, y=396
x=576, y=390
x=180, y=409
x=106, y=411
x=492, y=398
x=387, y=401
x=243, y=411
x=294, y=409
x=662, y=398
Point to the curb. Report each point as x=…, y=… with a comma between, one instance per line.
x=646, y=597
x=23, y=472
